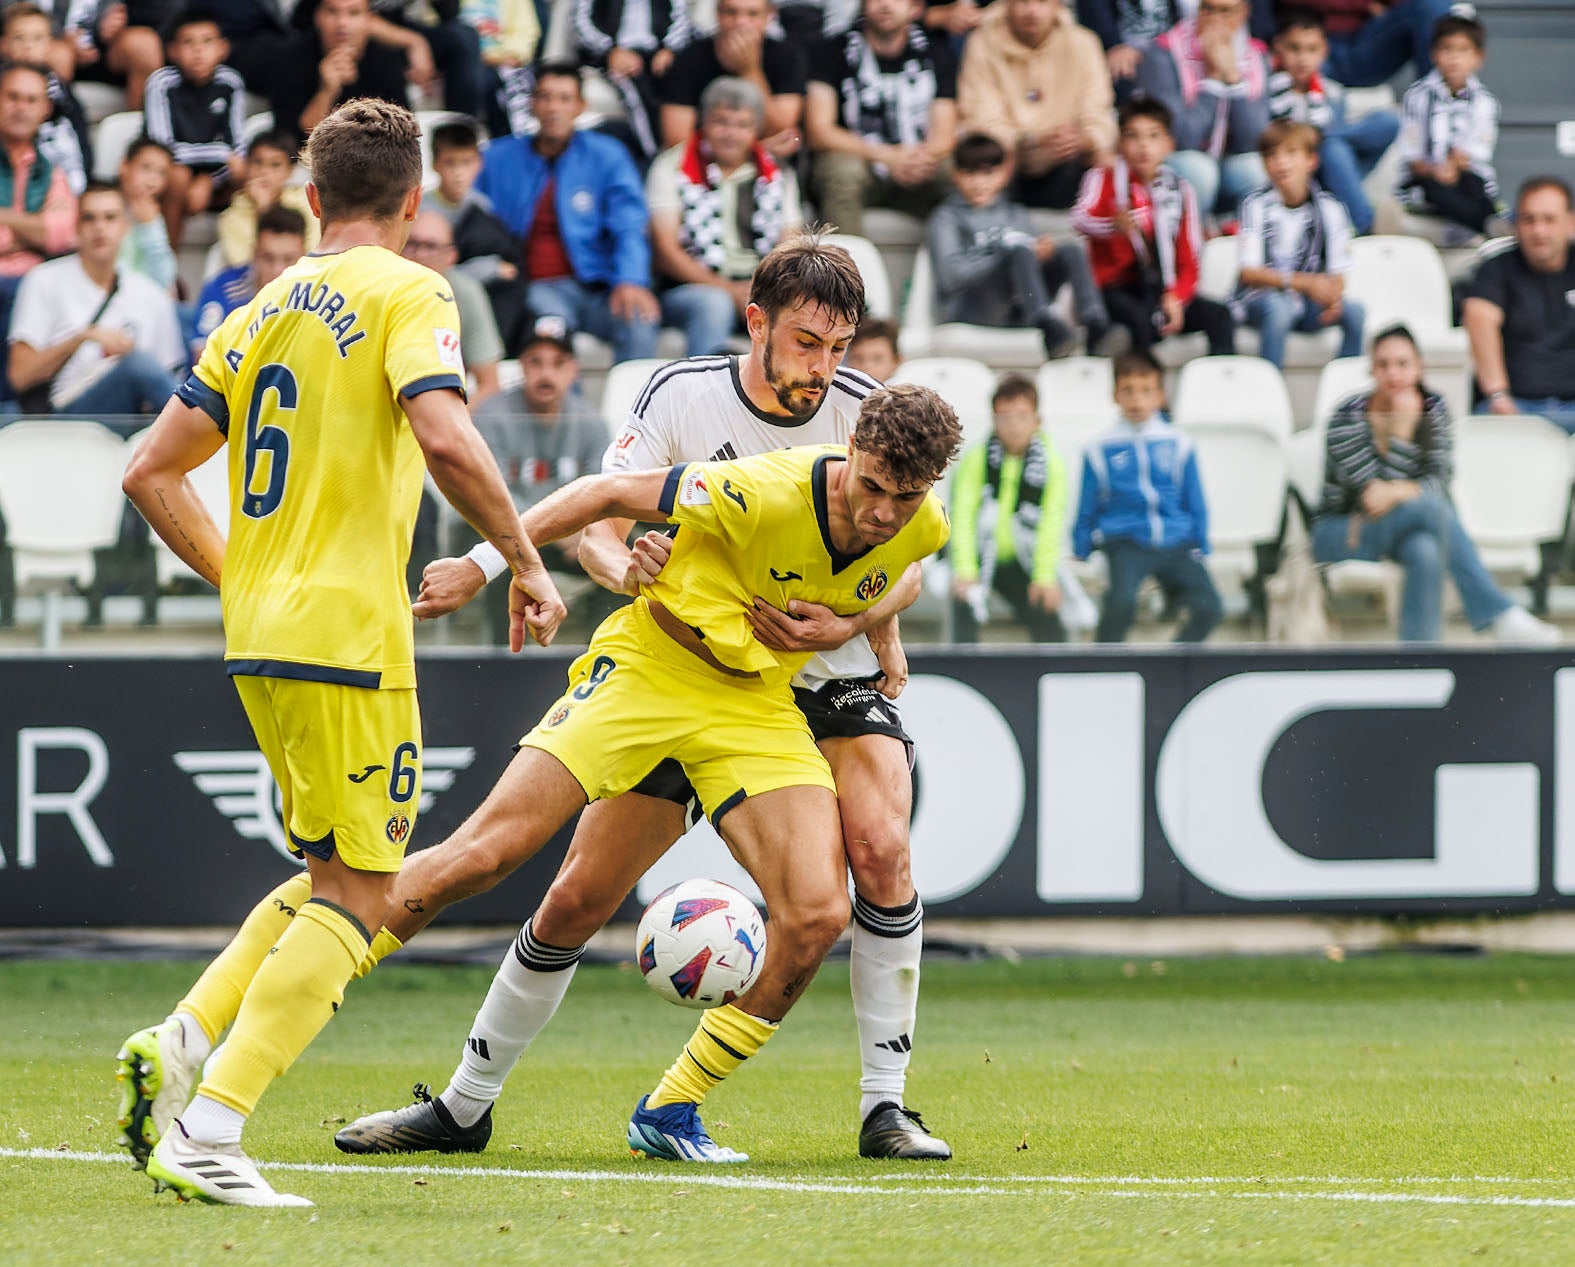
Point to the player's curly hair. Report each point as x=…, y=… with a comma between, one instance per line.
x=805, y=268
x=910, y=431
x=365, y=158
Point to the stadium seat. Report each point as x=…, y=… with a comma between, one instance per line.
x=510, y=376
x=1402, y=280
x=921, y=336
x=624, y=384
x=61, y=500
x=966, y=385
x=1343, y=377
x=258, y=123
x=1242, y=391
x=98, y=101
x=1243, y=470
x=111, y=139
x=595, y=356
x=1512, y=492
x=430, y=121
x=1076, y=403
x=872, y=268
x=1304, y=459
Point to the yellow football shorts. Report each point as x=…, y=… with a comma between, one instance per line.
x=348, y=763
x=636, y=697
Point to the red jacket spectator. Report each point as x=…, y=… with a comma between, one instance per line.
x=1168, y=233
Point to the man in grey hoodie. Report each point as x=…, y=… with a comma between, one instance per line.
x=992, y=269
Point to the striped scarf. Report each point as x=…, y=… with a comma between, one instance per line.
x=1025, y=516
x=760, y=209
x=1192, y=69
x=1169, y=210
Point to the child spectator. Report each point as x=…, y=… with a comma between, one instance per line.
x=144, y=174
x=1450, y=131
x=992, y=269
x=1295, y=249
x=1008, y=512
x=487, y=251
x=65, y=140
x=509, y=32
x=1144, y=236
x=874, y=349
x=127, y=46
x=270, y=162
x=1299, y=92
x=281, y=241
x=1142, y=504
x=196, y=108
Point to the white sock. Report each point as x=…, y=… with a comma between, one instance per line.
x=210, y=1122
x=530, y=983
x=197, y=1043
x=887, y=944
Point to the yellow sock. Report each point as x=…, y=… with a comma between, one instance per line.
x=724, y=1039
x=383, y=945
x=289, y=1001
x=216, y=997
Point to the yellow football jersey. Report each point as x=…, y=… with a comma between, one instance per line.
x=759, y=526
x=325, y=473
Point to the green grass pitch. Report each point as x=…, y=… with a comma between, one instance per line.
x=1381, y=1110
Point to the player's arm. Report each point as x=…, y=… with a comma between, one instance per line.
x=181, y=440
x=813, y=627
x=465, y=472
x=627, y=495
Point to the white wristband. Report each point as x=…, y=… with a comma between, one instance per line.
x=489, y=559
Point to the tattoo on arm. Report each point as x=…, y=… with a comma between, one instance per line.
x=794, y=986
x=413, y=905
x=179, y=527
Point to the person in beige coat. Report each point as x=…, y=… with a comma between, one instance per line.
x=1037, y=81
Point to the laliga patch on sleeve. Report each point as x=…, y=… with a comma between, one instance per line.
x=623, y=442
x=693, y=492
x=448, y=347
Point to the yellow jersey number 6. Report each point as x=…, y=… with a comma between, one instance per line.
x=274, y=440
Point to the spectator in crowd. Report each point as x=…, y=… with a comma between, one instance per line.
x=281, y=241
x=1008, y=513
x=1298, y=91
x=486, y=249
x=196, y=109
x=634, y=43
x=89, y=337
x=1295, y=244
x=881, y=116
x=144, y=173
x=1389, y=457
x=38, y=211
x=1450, y=131
x=992, y=269
x=1520, y=311
x=1037, y=82
x=270, y=162
x=806, y=22
x=544, y=435
x=1145, y=235
x=1369, y=44
x=1127, y=27
x=333, y=60
x=1142, y=504
x=431, y=242
x=875, y=349
x=261, y=42
x=1214, y=77
x=574, y=199
x=128, y=44
x=509, y=31
x=718, y=204
x=445, y=47
x=742, y=47
x=65, y=139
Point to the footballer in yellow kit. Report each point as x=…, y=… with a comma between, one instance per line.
x=755, y=527
x=325, y=479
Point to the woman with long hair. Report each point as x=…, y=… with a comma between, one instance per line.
x=1388, y=462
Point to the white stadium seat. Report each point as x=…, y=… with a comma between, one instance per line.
x=1343, y=377
x=966, y=385
x=1243, y=470
x=872, y=268
x=1076, y=403
x=1511, y=488
x=1243, y=391
x=111, y=139
x=61, y=500
x=921, y=336
x=625, y=382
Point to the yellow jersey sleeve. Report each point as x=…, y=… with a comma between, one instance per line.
x=719, y=499
x=421, y=338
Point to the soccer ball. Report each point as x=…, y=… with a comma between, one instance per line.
x=701, y=944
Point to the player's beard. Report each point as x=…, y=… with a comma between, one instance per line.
x=790, y=394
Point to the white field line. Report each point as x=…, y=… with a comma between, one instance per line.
x=1128, y=1187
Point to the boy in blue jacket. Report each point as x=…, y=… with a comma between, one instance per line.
x=1142, y=504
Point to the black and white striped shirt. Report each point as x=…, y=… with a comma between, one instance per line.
x=1312, y=238
x=1435, y=122
x=1352, y=459
x=203, y=124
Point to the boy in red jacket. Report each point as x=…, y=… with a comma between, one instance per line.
x=1144, y=236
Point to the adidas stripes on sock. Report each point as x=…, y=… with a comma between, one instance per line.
x=530, y=983
x=887, y=944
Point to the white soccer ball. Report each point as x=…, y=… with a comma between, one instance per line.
x=701, y=944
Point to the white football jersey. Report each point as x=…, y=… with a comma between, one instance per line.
x=695, y=410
